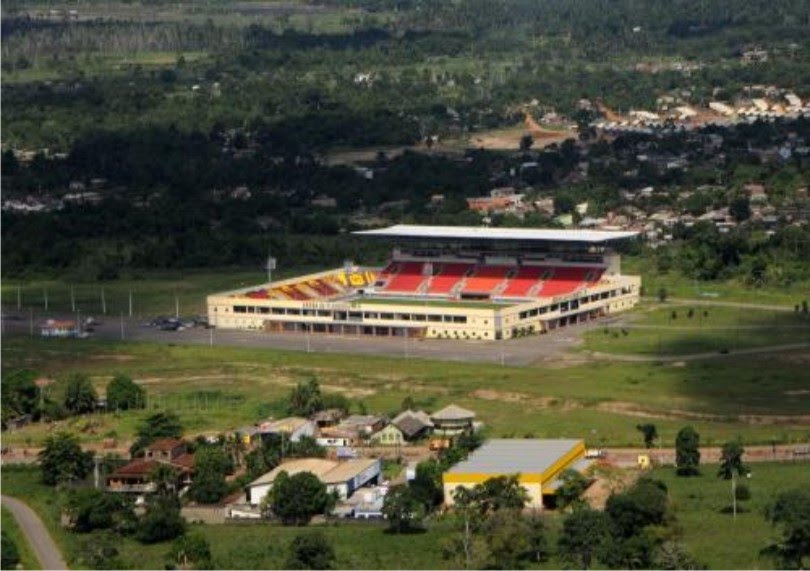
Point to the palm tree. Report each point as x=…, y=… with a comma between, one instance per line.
x=731, y=466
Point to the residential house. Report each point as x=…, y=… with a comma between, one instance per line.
x=391, y=435
x=135, y=477
x=413, y=424
x=328, y=417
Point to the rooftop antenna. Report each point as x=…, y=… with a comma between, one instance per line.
x=271, y=265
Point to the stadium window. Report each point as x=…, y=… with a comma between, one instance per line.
x=264, y=310
x=524, y=314
x=239, y=309
x=419, y=317
x=371, y=315
x=543, y=310
x=434, y=317
x=404, y=316
x=324, y=313
x=533, y=312
x=309, y=312
x=277, y=311
x=386, y=316
x=554, y=307
x=293, y=312
x=459, y=319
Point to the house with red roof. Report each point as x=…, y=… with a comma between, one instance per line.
x=135, y=477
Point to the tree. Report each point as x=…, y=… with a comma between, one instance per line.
x=466, y=547
x=526, y=142
x=671, y=555
x=791, y=512
x=507, y=536
x=731, y=466
x=642, y=505
x=305, y=399
x=662, y=294
x=687, y=452
x=124, y=394
x=501, y=492
x=427, y=483
x=740, y=208
x=310, y=551
x=80, y=396
x=569, y=492
x=89, y=509
x=538, y=549
x=650, y=433
x=584, y=533
x=211, y=464
x=190, y=551
x=403, y=509
x=295, y=499
x=162, y=520
x=9, y=554
x=62, y=460
x=20, y=395
x=158, y=425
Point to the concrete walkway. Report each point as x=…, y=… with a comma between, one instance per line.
x=36, y=533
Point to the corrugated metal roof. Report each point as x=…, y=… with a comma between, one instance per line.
x=327, y=471
x=513, y=456
x=482, y=233
x=453, y=412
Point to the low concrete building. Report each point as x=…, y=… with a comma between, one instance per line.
x=538, y=464
x=391, y=435
x=344, y=478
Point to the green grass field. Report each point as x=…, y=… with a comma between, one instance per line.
x=669, y=330
x=222, y=388
x=27, y=558
x=714, y=537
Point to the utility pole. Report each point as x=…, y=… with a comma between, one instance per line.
x=103, y=302
x=72, y=300
x=122, y=326
x=211, y=340
x=45, y=297
x=130, y=303
x=176, y=305
x=19, y=298
x=31, y=321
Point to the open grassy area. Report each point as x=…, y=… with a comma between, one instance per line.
x=714, y=537
x=27, y=557
x=221, y=388
x=675, y=330
x=680, y=286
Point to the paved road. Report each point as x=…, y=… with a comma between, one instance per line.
x=38, y=537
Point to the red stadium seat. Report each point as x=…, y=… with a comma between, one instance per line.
x=523, y=281
x=407, y=279
x=486, y=279
x=447, y=278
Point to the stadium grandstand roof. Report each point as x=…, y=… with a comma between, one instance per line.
x=483, y=233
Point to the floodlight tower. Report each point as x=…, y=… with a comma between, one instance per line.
x=271, y=265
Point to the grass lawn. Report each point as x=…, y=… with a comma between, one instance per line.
x=669, y=330
x=714, y=537
x=27, y=557
x=221, y=388
x=681, y=286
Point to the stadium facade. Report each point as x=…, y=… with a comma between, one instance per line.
x=447, y=282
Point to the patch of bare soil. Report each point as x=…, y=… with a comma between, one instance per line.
x=608, y=480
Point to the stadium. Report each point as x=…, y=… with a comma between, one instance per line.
x=447, y=282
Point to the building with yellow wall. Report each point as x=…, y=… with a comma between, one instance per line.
x=537, y=462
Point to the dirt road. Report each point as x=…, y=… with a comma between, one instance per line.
x=38, y=537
